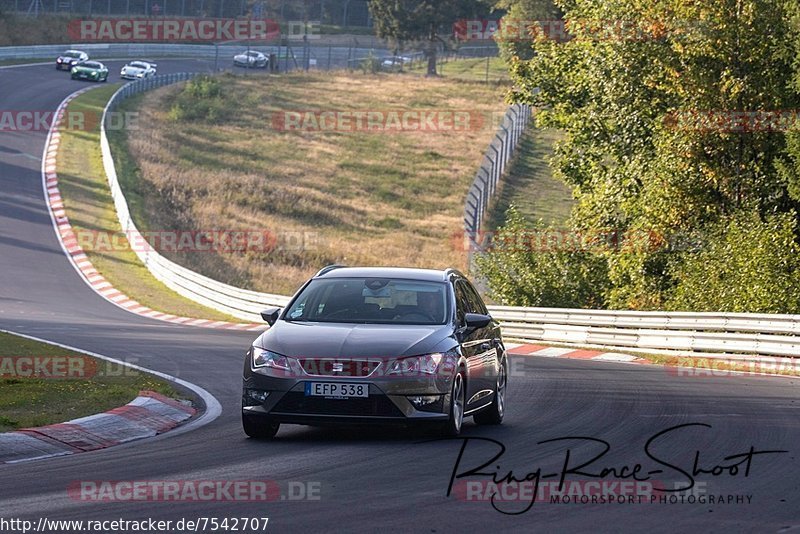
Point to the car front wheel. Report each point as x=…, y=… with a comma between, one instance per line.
x=259, y=426
x=493, y=415
x=457, y=402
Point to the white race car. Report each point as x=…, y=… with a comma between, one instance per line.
x=136, y=70
x=251, y=59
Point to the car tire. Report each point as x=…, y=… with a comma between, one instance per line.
x=458, y=401
x=259, y=426
x=493, y=415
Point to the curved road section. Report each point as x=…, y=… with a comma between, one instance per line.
x=619, y=447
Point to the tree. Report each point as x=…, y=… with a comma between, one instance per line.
x=525, y=12
x=745, y=265
x=404, y=21
x=668, y=108
x=527, y=268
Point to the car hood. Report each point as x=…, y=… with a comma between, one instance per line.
x=78, y=68
x=334, y=340
x=126, y=68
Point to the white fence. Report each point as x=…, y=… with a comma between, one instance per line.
x=234, y=301
x=491, y=171
x=773, y=335
x=734, y=333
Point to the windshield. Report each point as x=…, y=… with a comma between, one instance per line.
x=72, y=54
x=371, y=301
x=138, y=65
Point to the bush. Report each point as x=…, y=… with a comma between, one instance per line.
x=200, y=100
x=520, y=275
x=746, y=264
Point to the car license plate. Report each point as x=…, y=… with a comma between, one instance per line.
x=336, y=389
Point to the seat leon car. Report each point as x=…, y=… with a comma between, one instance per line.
x=377, y=345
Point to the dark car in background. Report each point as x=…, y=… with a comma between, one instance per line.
x=70, y=58
x=377, y=345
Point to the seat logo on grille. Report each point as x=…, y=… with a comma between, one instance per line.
x=338, y=367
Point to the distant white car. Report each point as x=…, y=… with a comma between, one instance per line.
x=136, y=70
x=251, y=59
x=70, y=58
x=393, y=63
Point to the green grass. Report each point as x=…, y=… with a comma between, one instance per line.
x=368, y=198
x=468, y=69
x=89, y=206
x=22, y=30
x=530, y=184
x=94, y=386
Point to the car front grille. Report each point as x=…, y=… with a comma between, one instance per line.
x=328, y=367
x=373, y=406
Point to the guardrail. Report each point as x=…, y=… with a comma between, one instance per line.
x=751, y=334
x=497, y=156
x=773, y=335
x=234, y=301
x=333, y=57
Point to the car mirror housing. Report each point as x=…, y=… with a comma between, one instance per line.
x=476, y=320
x=270, y=315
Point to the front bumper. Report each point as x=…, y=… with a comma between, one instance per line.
x=388, y=401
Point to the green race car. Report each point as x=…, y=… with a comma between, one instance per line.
x=94, y=71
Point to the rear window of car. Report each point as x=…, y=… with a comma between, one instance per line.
x=371, y=301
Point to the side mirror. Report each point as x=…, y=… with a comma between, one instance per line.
x=476, y=320
x=270, y=315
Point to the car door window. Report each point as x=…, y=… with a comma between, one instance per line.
x=462, y=303
x=476, y=304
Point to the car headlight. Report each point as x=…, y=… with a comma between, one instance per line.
x=416, y=365
x=265, y=359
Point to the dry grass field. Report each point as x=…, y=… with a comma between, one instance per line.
x=208, y=156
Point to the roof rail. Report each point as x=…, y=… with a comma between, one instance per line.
x=328, y=269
